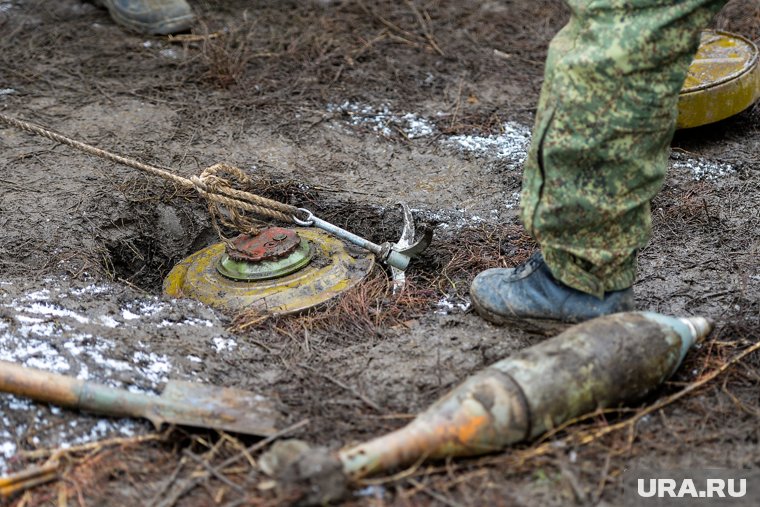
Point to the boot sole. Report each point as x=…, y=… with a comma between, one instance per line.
x=546, y=327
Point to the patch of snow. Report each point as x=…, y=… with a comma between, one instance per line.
x=102, y=429
x=510, y=145
x=223, y=344
x=31, y=352
x=127, y=315
x=446, y=306
x=45, y=330
x=21, y=404
x=107, y=362
x=154, y=367
x=186, y=321
x=51, y=310
x=90, y=290
x=383, y=121
x=108, y=321
x=371, y=491
x=84, y=372
x=47, y=358
x=702, y=169
x=141, y=308
x=194, y=359
x=7, y=449
x=455, y=219
x=512, y=201
x=414, y=126
x=169, y=53
x=40, y=295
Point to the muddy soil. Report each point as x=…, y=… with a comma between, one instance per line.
x=345, y=108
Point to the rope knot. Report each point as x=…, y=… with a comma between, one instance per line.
x=228, y=205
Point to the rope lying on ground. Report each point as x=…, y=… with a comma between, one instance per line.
x=217, y=190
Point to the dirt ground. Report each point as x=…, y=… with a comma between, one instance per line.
x=345, y=108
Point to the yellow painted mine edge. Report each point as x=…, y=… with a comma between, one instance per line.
x=197, y=278
x=724, y=80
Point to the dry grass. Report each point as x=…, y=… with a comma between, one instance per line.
x=226, y=55
x=364, y=310
x=685, y=206
x=475, y=249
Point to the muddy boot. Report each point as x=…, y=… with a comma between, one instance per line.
x=158, y=17
x=530, y=296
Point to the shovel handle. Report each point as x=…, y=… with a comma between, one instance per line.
x=71, y=392
x=40, y=385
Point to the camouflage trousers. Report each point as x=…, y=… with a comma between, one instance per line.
x=605, y=120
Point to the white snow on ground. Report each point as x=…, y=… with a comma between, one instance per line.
x=512, y=201
x=91, y=289
x=456, y=218
x=383, y=121
x=30, y=336
x=187, y=321
x=702, y=169
x=169, y=53
x=50, y=311
x=510, y=145
x=108, y=321
x=223, y=344
x=446, y=305
x=154, y=367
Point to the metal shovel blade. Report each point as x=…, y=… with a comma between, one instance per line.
x=222, y=408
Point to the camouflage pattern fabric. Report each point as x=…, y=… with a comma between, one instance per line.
x=605, y=120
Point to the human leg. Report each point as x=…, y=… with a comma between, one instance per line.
x=605, y=119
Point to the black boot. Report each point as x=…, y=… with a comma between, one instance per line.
x=529, y=294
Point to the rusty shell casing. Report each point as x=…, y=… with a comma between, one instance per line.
x=485, y=413
x=600, y=363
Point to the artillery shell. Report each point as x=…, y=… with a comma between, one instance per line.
x=601, y=363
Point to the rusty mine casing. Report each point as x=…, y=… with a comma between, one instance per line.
x=600, y=363
x=277, y=272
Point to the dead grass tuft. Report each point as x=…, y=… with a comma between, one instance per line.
x=363, y=311
x=686, y=206
x=475, y=249
x=226, y=55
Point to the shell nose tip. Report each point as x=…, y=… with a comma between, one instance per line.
x=701, y=326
